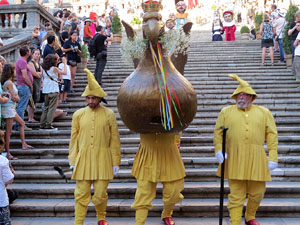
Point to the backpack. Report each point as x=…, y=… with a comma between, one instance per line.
x=92, y=45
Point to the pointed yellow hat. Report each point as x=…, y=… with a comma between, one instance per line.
x=93, y=88
x=244, y=86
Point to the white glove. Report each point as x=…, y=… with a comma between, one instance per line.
x=220, y=157
x=272, y=165
x=116, y=170
x=71, y=167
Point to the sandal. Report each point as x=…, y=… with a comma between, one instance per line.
x=33, y=121
x=27, y=147
x=11, y=157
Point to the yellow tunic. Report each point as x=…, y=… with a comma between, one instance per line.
x=95, y=144
x=247, y=132
x=158, y=159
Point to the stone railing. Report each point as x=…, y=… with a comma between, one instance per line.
x=12, y=16
x=12, y=30
x=10, y=50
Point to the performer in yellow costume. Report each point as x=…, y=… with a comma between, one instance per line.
x=94, y=152
x=247, y=167
x=157, y=160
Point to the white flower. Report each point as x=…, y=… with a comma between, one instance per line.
x=133, y=49
x=175, y=42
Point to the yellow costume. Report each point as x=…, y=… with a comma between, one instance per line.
x=94, y=150
x=247, y=164
x=157, y=160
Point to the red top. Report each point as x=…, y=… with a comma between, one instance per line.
x=4, y=2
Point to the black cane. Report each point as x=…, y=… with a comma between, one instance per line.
x=62, y=172
x=224, y=129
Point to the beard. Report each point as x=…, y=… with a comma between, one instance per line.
x=241, y=104
x=93, y=105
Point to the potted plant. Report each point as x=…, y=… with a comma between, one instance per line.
x=290, y=17
x=257, y=21
x=84, y=57
x=245, y=32
x=116, y=28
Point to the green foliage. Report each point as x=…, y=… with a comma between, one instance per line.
x=136, y=21
x=258, y=20
x=116, y=25
x=290, y=18
x=84, y=52
x=214, y=7
x=245, y=30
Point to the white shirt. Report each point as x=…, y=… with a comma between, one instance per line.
x=50, y=85
x=5, y=176
x=279, y=25
x=61, y=66
x=1, y=41
x=297, y=49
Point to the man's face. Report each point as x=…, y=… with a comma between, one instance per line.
x=228, y=17
x=298, y=26
x=180, y=7
x=92, y=101
x=297, y=18
x=243, y=100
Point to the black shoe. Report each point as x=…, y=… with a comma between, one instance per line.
x=50, y=128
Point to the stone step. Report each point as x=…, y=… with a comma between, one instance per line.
x=287, y=207
x=125, y=132
x=193, y=140
x=127, y=151
x=189, y=162
x=201, y=174
x=150, y=220
x=192, y=190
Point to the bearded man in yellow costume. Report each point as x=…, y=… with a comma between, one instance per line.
x=247, y=167
x=94, y=152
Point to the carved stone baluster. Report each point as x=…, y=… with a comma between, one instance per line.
x=6, y=20
x=13, y=20
x=21, y=15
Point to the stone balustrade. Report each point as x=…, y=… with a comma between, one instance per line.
x=14, y=32
x=12, y=16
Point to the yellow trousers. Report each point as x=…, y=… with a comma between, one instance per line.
x=146, y=192
x=83, y=198
x=238, y=191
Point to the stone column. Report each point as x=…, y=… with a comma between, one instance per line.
x=33, y=16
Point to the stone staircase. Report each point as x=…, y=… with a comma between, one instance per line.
x=42, y=193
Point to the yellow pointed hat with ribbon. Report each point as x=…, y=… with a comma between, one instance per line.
x=93, y=88
x=244, y=86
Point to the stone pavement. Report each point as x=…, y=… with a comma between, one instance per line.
x=150, y=221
